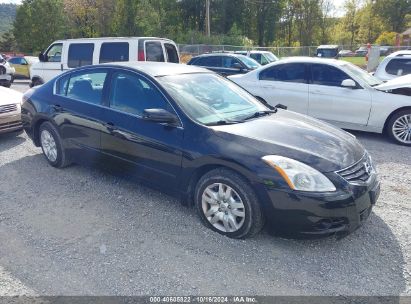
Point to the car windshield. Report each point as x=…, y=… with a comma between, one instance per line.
x=363, y=75
x=327, y=53
x=210, y=99
x=271, y=57
x=249, y=62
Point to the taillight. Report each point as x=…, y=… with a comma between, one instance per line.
x=141, y=56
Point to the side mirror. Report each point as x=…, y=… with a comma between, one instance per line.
x=237, y=66
x=160, y=116
x=348, y=83
x=42, y=58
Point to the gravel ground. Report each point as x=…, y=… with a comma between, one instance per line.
x=84, y=231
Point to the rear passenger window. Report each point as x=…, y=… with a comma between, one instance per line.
x=114, y=51
x=80, y=54
x=293, y=72
x=154, y=51
x=86, y=86
x=172, y=55
x=399, y=67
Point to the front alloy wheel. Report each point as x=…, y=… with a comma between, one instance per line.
x=223, y=207
x=227, y=204
x=400, y=127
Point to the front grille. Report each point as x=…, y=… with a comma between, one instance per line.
x=8, y=108
x=2, y=70
x=360, y=172
x=10, y=125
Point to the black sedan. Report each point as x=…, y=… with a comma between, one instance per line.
x=193, y=133
x=225, y=64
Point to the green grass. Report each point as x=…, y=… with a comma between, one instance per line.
x=360, y=61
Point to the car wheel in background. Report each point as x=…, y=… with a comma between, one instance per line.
x=399, y=127
x=51, y=145
x=227, y=204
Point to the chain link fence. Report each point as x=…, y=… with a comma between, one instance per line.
x=187, y=51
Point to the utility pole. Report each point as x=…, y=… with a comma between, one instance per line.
x=208, y=18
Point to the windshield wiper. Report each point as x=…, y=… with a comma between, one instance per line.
x=259, y=114
x=224, y=122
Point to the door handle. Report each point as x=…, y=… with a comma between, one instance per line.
x=57, y=108
x=109, y=126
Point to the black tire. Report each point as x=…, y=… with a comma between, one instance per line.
x=62, y=160
x=7, y=84
x=36, y=82
x=390, y=125
x=253, y=219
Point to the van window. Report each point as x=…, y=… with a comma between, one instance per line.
x=114, y=51
x=172, y=55
x=54, y=53
x=80, y=54
x=154, y=51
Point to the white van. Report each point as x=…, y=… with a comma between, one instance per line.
x=63, y=55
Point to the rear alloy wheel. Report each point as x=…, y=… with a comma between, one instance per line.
x=227, y=204
x=400, y=127
x=51, y=145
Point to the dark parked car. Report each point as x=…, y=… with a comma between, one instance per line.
x=225, y=63
x=198, y=135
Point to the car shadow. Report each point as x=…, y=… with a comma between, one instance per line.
x=82, y=230
x=10, y=140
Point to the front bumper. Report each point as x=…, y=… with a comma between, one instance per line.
x=5, y=78
x=298, y=214
x=10, y=123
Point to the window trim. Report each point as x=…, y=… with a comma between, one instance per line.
x=358, y=86
x=77, y=43
x=107, y=88
x=162, y=48
x=70, y=74
x=113, y=42
x=48, y=50
x=399, y=59
x=175, y=48
x=146, y=78
x=307, y=72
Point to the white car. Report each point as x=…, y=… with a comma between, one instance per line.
x=337, y=92
x=394, y=65
x=10, y=110
x=6, y=73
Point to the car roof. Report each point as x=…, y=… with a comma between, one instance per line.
x=328, y=46
x=219, y=54
x=111, y=38
x=399, y=53
x=156, y=69
x=302, y=59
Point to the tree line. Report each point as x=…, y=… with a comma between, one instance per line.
x=236, y=22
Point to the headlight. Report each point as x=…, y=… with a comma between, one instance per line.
x=299, y=176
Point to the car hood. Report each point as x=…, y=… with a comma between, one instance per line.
x=299, y=137
x=396, y=83
x=9, y=96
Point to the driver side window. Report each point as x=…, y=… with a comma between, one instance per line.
x=327, y=75
x=132, y=94
x=54, y=53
